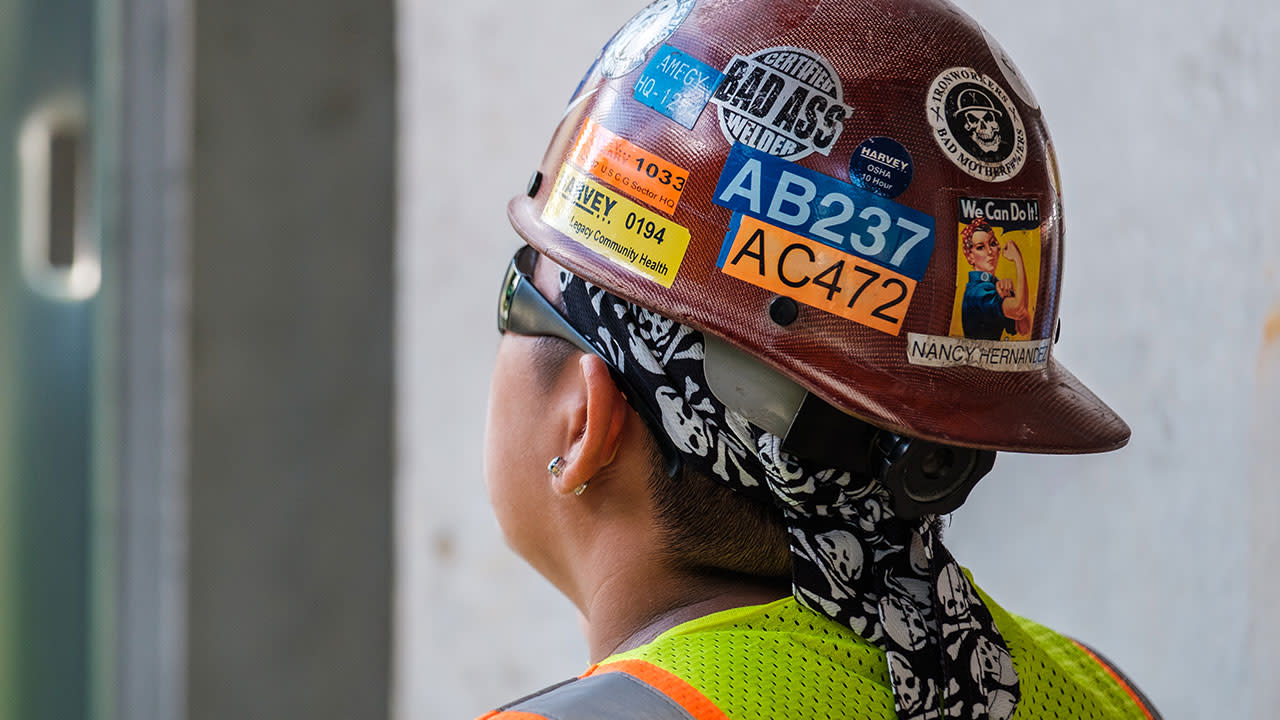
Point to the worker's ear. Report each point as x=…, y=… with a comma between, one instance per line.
x=599, y=414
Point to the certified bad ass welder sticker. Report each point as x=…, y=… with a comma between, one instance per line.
x=785, y=101
x=997, y=281
x=976, y=124
x=820, y=241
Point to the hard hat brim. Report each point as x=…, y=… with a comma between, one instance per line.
x=1047, y=410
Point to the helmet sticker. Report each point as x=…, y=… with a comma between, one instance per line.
x=629, y=167
x=677, y=85
x=940, y=352
x=996, y=285
x=883, y=166
x=997, y=279
x=1012, y=74
x=616, y=228
x=826, y=210
x=785, y=101
x=642, y=33
x=816, y=274
x=976, y=124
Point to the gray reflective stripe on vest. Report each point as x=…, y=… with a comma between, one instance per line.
x=608, y=696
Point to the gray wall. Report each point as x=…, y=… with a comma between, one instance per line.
x=1161, y=554
x=290, y=554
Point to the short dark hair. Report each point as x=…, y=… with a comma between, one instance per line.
x=708, y=528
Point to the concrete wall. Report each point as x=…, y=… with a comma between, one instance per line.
x=292, y=210
x=1161, y=555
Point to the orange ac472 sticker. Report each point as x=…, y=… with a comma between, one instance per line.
x=629, y=167
x=815, y=274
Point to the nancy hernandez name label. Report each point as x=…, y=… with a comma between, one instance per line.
x=998, y=355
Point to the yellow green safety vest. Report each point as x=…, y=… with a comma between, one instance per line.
x=783, y=661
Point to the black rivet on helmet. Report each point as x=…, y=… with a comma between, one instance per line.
x=535, y=182
x=783, y=310
x=1057, y=333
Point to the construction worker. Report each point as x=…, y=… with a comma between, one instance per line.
x=735, y=392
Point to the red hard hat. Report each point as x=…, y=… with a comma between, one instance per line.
x=853, y=198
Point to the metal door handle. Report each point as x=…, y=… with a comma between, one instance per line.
x=59, y=246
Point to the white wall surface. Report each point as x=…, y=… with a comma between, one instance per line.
x=1162, y=555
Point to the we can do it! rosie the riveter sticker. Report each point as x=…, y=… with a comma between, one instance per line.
x=820, y=241
x=997, y=283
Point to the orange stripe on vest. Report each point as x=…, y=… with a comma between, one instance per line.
x=684, y=694
x=1133, y=695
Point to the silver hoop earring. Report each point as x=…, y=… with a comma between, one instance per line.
x=581, y=488
x=556, y=466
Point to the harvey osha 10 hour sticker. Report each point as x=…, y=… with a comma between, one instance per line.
x=976, y=124
x=785, y=101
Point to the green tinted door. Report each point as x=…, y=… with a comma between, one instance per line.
x=48, y=285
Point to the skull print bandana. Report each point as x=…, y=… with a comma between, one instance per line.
x=888, y=579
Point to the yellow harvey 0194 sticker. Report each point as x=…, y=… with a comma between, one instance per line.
x=816, y=274
x=613, y=226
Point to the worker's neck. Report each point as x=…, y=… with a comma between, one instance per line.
x=631, y=600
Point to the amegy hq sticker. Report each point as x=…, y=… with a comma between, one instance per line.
x=883, y=166
x=785, y=101
x=976, y=124
x=614, y=227
x=628, y=167
x=677, y=85
x=820, y=241
x=650, y=27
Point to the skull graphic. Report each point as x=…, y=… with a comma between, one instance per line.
x=983, y=129
x=955, y=593
x=908, y=689
x=903, y=622
x=842, y=553
x=682, y=423
x=1000, y=705
x=990, y=665
x=981, y=118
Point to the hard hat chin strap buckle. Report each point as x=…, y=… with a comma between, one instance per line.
x=926, y=478
x=922, y=477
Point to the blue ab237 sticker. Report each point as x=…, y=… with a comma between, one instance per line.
x=824, y=209
x=677, y=85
